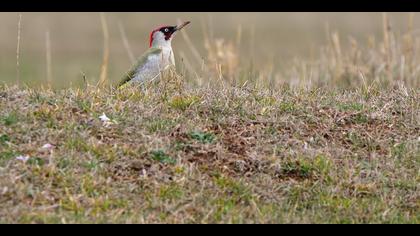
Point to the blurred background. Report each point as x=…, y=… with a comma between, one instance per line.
x=76, y=42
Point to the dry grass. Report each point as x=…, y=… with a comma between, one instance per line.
x=210, y=155
x=390, y=61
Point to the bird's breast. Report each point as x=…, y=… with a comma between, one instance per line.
x=154, y=65
x=167, y=57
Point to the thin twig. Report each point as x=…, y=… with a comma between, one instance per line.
x=18, y=51
x=387, y=44
x=85, y=83
x=48, y=58
x=125, y=42
x=104, y=67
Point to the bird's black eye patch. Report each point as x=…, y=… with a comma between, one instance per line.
x=167, y=30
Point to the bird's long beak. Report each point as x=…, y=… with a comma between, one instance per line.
x=179, y=27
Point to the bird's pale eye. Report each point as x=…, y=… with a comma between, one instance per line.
x=166, y=30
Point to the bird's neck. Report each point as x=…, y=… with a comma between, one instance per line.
x=163, y=44
x=165, y=48
x=167, y=53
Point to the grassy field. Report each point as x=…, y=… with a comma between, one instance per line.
x=227, y=155
x=235, y=135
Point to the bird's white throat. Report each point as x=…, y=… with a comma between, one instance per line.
x=159, y=41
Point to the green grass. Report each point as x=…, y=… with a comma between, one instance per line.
x=202, y=137
x=182, y=103
x=162, y=157
x=158, y=124
x=36, y=161
x=354, y=106
x=4, y=138
x=10, y=119
x=296, y=170
x=6, y=155
x=295, y=156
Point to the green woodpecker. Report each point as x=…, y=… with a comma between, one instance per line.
x=156, y=59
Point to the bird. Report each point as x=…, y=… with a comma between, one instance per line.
x=156, y=59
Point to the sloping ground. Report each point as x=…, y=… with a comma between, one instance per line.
x=210, y=155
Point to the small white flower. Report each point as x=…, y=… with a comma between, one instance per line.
x=48, y=146
x=104, y=118
x=22, y=158
x=106, y=121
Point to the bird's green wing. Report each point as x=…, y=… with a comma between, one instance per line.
x=140, y=62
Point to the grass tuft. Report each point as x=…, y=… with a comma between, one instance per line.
x=202, y=137
x=162, y=157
